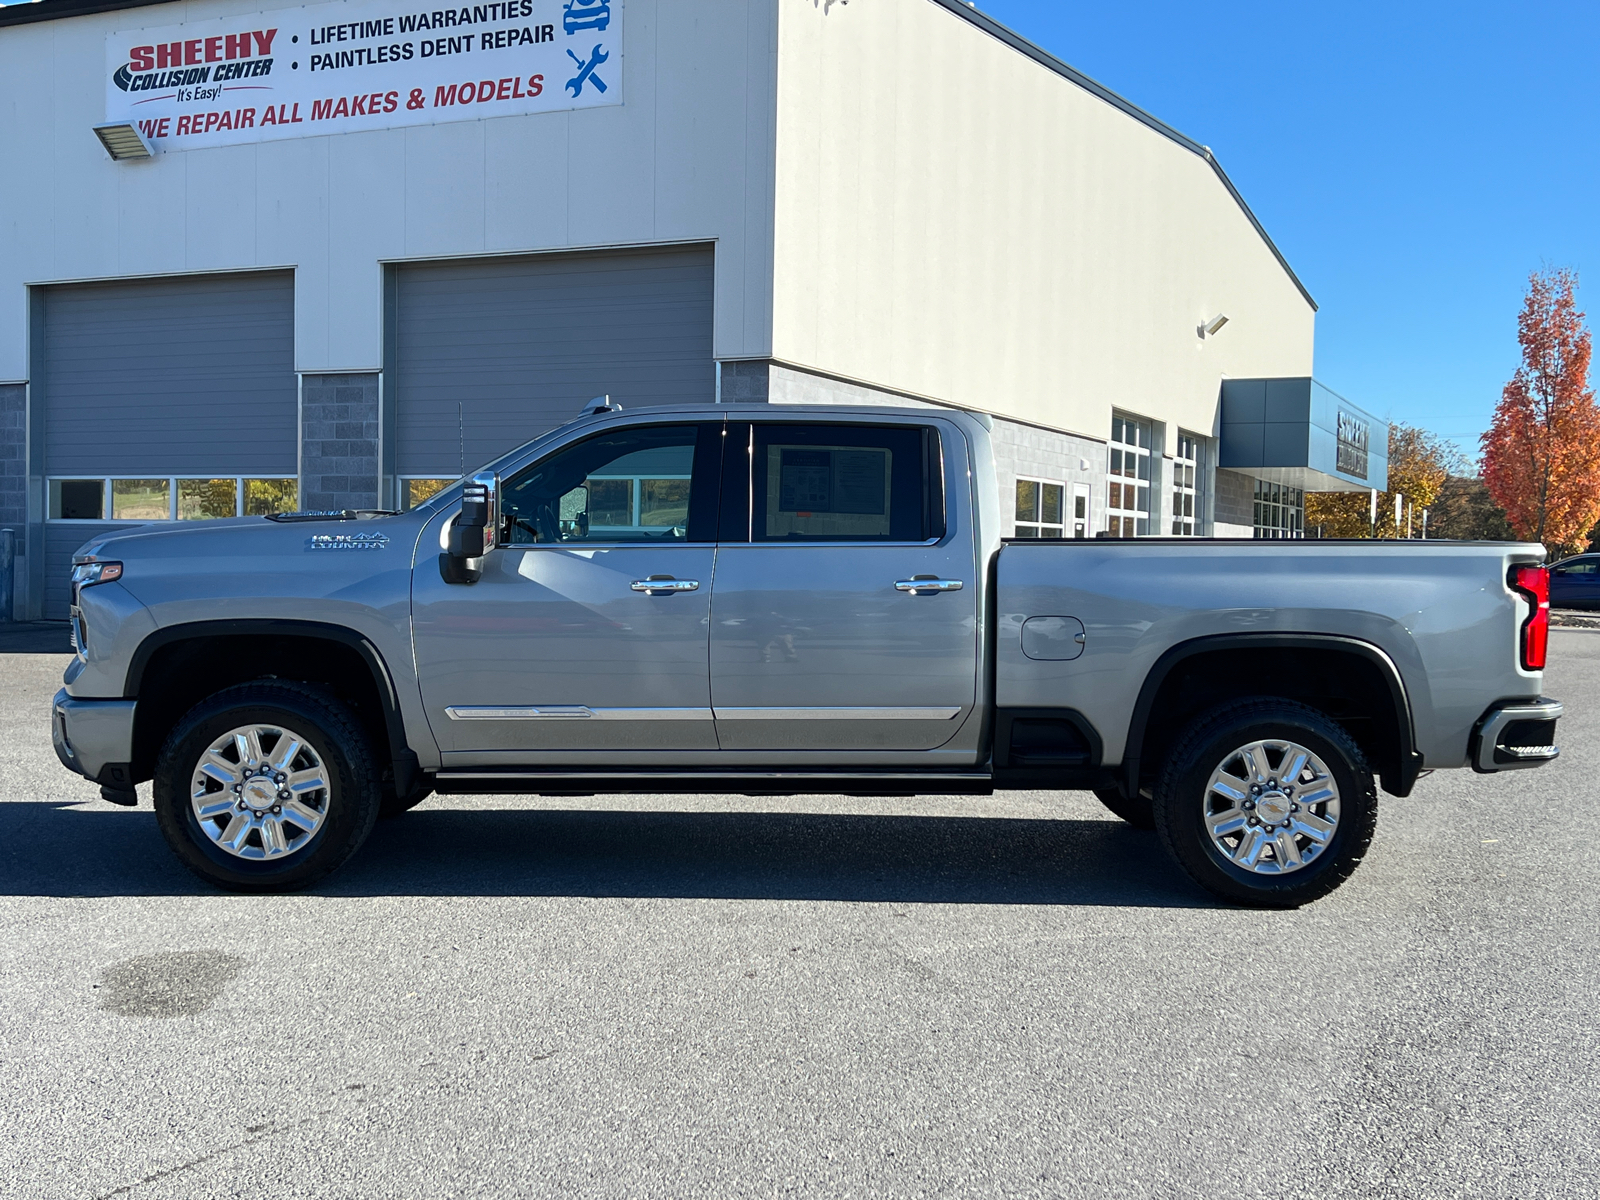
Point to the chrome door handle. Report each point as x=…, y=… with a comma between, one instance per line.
x=927, y=585
x=665, y=583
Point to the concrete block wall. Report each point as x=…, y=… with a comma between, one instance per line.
x=339, y=421
x=1034, y=453
x=1234, y=514
x=788, y=385
x=744, y=381
x=14, y=477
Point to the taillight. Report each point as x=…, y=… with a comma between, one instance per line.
x=1534, y=583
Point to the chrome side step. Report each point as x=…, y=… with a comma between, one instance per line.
x=785, y=783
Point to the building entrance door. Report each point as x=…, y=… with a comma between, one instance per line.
x=1080, y=510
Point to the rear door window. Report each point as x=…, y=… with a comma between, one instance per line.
x=844, y=483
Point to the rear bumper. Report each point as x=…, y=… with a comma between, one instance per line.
x=93, y=737
x=1516, y=735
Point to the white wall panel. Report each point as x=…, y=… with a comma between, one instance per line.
x=362, y=226
x=526, y=190
x=958, y=221
x=152, y=218
x=444, y=189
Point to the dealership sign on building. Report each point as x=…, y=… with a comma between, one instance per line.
x=362, y=64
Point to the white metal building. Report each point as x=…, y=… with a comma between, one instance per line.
x=256, y=257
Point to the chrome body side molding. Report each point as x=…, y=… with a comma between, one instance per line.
x=837, y=714
x=571, y=712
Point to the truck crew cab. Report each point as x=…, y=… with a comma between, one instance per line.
x=785, y=600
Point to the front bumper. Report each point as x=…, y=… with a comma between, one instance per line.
x=1516, y=735
x=94, y=737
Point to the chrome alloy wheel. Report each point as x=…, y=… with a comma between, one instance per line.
x=260, y=792
x=1271, y=807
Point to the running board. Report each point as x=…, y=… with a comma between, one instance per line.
x=749, y=783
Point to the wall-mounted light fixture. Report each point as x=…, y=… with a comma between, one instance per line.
x=123, y=140
x=1210, y=328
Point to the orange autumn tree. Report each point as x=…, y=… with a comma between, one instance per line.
x=1541, y=454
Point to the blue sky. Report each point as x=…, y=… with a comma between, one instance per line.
x=1413, y=161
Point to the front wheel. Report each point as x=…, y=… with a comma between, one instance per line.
x=266, y=787
x=1136, y=812
x=1267, y=802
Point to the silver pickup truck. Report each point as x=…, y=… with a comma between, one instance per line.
x=778, y=601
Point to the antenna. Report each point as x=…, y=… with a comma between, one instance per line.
x=600, y=404
x=461, y=436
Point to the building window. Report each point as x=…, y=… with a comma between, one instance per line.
x=637, y=504
x=1039, y=509
x=1185, y=477
x=419, y=491
x=1280, y=511
x=1128, y=491
x=173, y=498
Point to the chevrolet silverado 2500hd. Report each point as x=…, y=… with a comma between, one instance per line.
x=785, y=600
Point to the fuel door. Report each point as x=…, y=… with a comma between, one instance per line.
x=1052, y=639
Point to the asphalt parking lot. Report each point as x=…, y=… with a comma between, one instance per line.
x=680, y=996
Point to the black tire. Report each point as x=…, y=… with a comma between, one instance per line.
x=1138, y=812
x=354, y=791
x=1181, y=799
x=394, y=804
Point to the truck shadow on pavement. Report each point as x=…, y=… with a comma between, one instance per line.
x=35, y=637
x=53, y=849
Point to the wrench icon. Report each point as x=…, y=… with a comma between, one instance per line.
x=586, y=72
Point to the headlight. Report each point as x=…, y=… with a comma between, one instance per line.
x=85, y=574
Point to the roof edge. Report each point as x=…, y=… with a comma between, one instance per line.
x=30, y=11
x=1049, y=61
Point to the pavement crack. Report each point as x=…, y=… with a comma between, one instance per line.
x=262, y=1133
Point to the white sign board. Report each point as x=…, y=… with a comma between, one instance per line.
x=361, y=64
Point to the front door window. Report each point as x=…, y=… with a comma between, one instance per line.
x=630, y=485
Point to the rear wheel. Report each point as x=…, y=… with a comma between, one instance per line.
x=266, y=787
x=1267, y=802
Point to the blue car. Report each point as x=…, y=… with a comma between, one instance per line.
x=1575, y=582
x=586, y=14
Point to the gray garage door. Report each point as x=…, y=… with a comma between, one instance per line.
x=492, y=352
x=161, y=391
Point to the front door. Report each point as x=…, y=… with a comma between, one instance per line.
x=588, y=628
x=845, y=612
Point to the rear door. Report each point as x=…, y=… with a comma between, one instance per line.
x=845, y=609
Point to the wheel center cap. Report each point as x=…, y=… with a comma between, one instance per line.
x=1272, y=807
x=260, y=793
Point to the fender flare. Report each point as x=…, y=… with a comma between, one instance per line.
x=388, y=697
x=1410, y=761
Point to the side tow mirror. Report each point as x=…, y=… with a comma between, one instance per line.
x=472, y=535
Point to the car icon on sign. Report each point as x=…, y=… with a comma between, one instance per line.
x=585, y=14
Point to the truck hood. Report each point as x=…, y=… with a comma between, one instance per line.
x=199, y=540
